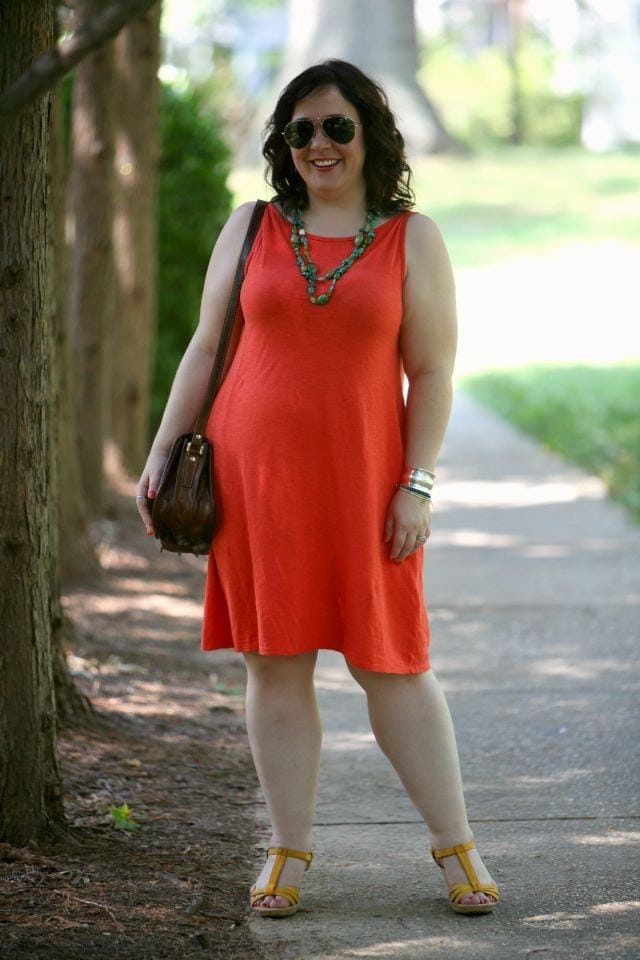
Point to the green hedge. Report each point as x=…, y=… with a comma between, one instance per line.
x=589, y=414
x=193, y=204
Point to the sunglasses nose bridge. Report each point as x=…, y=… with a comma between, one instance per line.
x=318, y=131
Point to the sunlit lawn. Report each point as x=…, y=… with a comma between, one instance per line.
x=497, y=205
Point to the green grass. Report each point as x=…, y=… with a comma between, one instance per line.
x=497, y=205
x=589, y=414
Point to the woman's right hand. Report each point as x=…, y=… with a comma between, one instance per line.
x=148, y=486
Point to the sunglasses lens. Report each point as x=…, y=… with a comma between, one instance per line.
x=339, y=129
x=298, y=133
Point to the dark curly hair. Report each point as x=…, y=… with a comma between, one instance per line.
x=386, y=171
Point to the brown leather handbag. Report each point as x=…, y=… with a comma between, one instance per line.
x=184, y=511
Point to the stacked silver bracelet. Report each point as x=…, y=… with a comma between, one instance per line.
x=418, y=482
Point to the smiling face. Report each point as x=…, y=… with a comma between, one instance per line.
x=331, y=171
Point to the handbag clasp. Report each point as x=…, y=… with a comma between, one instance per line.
x=195, y=447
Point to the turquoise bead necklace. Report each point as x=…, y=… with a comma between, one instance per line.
x=308, y=268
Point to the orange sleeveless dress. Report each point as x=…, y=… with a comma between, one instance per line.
x=308, y=438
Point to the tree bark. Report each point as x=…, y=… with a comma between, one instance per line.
x=72, y=547
x=92, y=260
x=73, y=708
x=77, y=559
x=30, y=782
x=380, y=38
x=137, y=55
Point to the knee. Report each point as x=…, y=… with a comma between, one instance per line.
x=281, y=672
x=372, y=681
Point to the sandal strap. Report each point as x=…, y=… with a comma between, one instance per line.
x=460, y=850
x=292, y=894
x=459, y=890
x=282, y=854
x=286, y=852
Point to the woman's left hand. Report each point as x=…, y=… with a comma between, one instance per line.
x=408, y=517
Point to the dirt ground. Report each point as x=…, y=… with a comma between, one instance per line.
x=169, y=742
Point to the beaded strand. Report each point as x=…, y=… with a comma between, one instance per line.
x=308, y=268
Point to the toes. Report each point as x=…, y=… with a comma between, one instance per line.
x=476, y=898
x=271, y=902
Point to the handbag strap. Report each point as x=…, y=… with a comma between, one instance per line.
x=227, y=327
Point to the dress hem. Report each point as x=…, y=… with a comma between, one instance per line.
x=422, y=667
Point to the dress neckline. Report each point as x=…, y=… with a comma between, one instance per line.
x=346, y=236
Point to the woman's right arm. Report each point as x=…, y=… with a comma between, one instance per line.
x=192, y=375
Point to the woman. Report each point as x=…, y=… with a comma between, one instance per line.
x=324, y=474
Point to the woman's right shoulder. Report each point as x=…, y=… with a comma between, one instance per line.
x=242, y=213
x=235, y=227
x=240, y=217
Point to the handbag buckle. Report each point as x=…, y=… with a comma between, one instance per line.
x=195, y=446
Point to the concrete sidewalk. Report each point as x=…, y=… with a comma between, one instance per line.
x=533, y=586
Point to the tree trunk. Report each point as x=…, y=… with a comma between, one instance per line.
x=30, y=783
x=76, y=555
x=514, y=20
x=380, y=38
x=137, y=54
x=92, y=261
x=73, y=708
x=77, y=560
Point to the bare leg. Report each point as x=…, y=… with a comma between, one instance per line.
x=285, y=735
x=412, y=724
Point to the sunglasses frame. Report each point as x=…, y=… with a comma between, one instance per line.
x=321, y=122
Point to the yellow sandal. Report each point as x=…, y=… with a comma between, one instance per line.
x=292, y=894
x=459, y=890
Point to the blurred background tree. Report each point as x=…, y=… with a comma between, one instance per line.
x=497, y=73
x=387, y=48
x=134, y=230
x=531, y=71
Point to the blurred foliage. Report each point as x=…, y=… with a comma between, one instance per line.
x=474, y=93
x=222, y=95
x=589, y=414
x=193, y=204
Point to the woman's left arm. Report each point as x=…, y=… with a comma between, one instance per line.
x=428, y=345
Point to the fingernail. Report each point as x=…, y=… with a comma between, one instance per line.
x=151, y=495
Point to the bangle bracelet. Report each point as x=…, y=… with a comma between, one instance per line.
x=418, y=487
x=421, y=494
x=418, y=477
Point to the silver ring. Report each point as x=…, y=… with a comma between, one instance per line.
x=141, y=497
x=421, y=539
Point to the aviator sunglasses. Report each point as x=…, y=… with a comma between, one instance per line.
x=340, y=129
